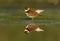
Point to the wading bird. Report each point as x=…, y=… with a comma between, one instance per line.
x=32, y=13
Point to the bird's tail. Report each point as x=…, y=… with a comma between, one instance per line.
x=39, y=29
x=39, y=11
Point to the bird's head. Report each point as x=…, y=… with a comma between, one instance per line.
x=26, y=31
x=26, y=9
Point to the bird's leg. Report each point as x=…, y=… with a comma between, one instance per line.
x=32, y=19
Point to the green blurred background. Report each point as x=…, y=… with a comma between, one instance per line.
x=13, y=20
x=31, y=3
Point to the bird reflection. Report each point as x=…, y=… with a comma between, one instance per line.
x=32, y=28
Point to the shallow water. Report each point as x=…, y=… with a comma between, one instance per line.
x=13, y=23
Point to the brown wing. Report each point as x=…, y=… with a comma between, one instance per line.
x=32, y=9
x=32, y=13
x=32, y=28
